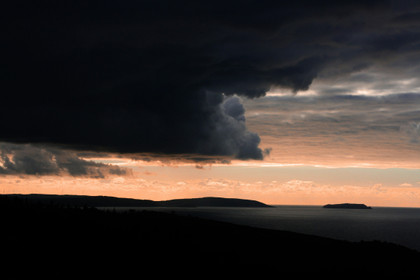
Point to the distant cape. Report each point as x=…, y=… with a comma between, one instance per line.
x=348, y=206
x=108, y=201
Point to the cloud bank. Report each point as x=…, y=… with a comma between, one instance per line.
x=37, y=160
x=345, y=130
x=158, y=76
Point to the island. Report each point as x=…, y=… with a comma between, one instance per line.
x=347, y=206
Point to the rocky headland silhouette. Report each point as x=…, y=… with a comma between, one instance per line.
x=108, y=201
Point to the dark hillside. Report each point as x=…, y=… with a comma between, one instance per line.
x=82, y=200
x=107, y=201
x=54, y=241
x=211, y=202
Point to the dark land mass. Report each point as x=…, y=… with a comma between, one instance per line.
x=212, y=202
x=59, y=242
x=107, y=201
x=348, y=206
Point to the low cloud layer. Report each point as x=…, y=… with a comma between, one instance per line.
x=156, y=76
x=339, y=130
x=38, y=160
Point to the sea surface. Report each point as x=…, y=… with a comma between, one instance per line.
x=397, y=225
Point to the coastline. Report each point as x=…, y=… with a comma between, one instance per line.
x=87, y=235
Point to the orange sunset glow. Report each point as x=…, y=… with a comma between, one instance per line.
x=271, y=183
x=200, y=137
x=310, y=160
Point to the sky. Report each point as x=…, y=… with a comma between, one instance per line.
x=286, y=102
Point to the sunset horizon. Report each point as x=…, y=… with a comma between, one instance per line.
x=287, y=103
x=272, y=183
x=191, y=136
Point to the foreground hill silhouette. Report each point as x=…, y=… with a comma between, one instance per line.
x=83, y=242
x=107, y=201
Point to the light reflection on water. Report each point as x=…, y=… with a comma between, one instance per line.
x=392, y=224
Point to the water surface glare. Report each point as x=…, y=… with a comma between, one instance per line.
x=392, y=224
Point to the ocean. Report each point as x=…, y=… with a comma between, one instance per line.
x=391, y=224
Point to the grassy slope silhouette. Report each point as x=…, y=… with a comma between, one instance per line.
x=48, y=239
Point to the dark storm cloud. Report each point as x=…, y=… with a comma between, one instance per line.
x=148, y=76
x=37, y=160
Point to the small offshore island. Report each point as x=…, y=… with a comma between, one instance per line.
x=347, y=206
